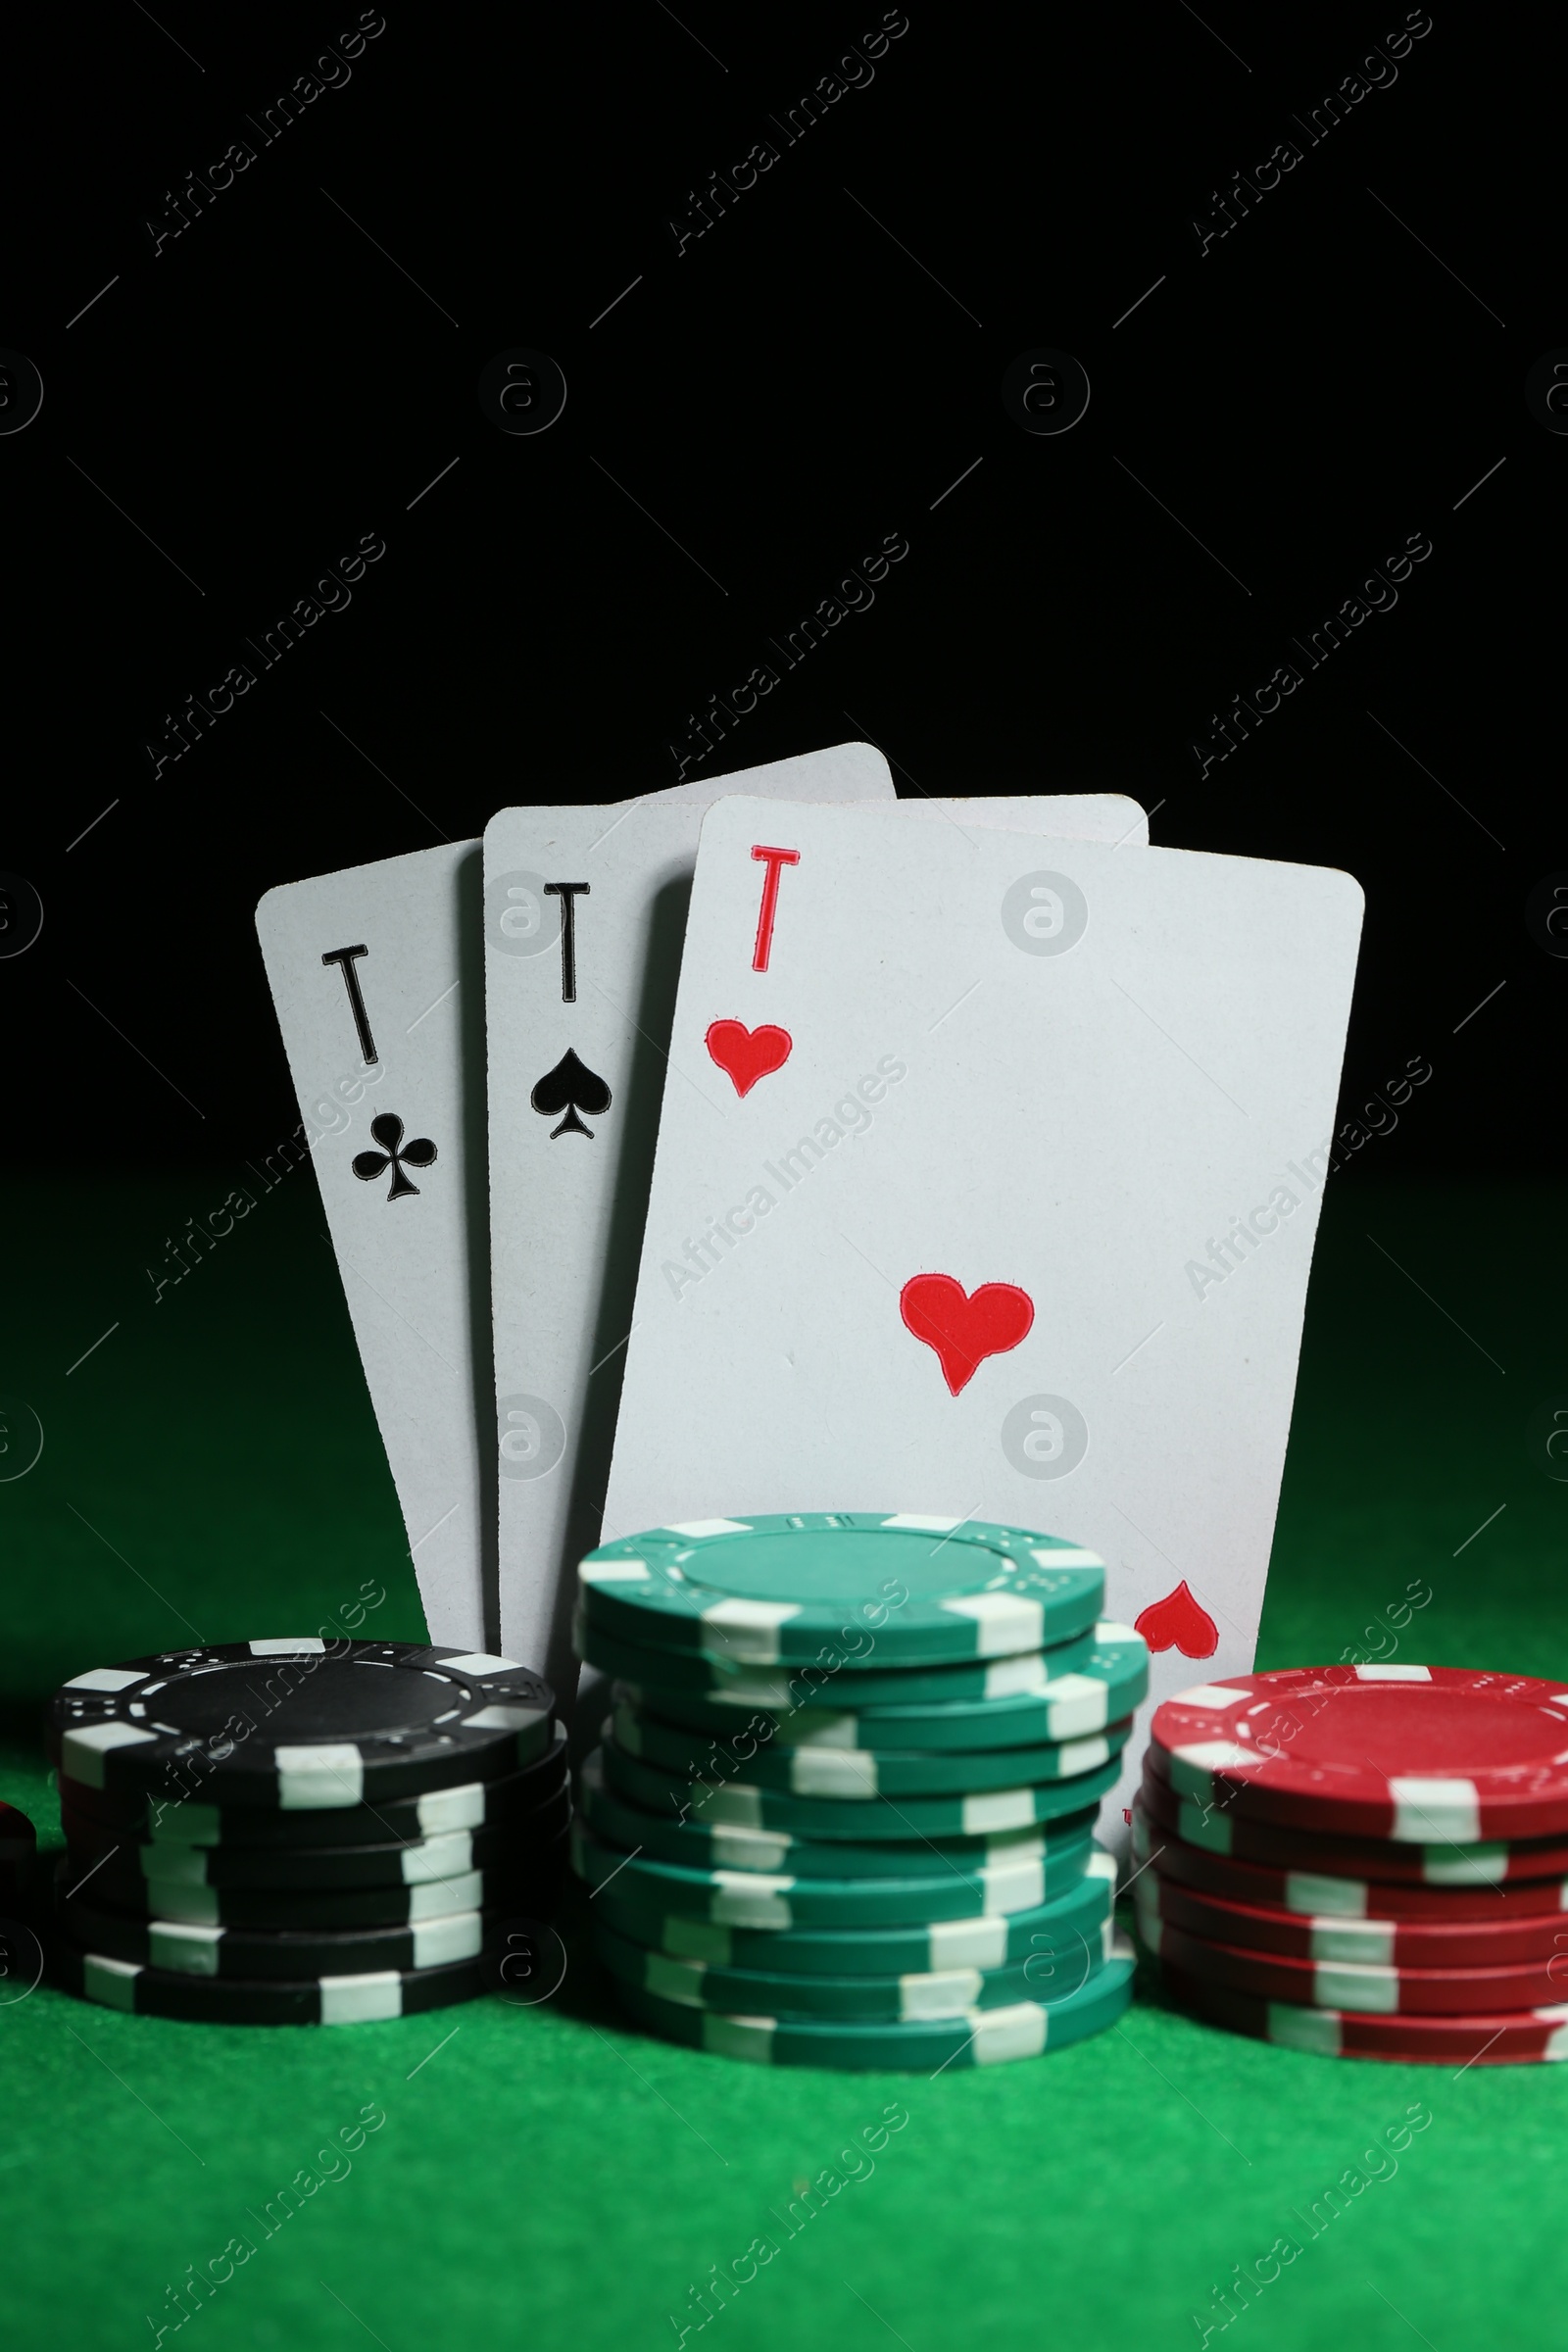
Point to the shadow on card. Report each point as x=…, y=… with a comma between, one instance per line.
x=639, y=1135
x=468, y=882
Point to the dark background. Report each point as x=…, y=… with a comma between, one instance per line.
x=802, y=380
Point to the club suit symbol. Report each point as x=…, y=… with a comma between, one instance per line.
x=962, y=1328
x=570, y=1087
x=395, y=1153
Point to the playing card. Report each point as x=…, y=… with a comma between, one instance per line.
x=368, y=971
x=375, y=974
x=584, y=912
x=986, y=1186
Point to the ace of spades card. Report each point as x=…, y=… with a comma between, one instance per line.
x=584, y=911
x=986, y=1186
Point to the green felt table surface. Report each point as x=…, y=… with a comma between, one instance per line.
x=549, y=2176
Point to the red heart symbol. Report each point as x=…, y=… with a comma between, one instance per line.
x=964, y=1329
x=1179, y=1623
x=746, y=1055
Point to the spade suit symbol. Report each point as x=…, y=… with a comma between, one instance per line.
x=570, y=1087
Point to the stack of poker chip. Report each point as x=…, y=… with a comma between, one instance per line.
x=1363, y=1861
x=301, y=1831
x=843, y=1813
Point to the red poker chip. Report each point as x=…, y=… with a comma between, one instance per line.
x=1337, y=1895
x=1359, y=1987
x=1515, y=2037
x=1219, y=1828
x=1397, y=1944
x=1425, y=1754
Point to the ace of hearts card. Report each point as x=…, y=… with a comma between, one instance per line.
x=986, y=1186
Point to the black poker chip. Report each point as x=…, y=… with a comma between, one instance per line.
x=526, y=1882
x=258, y=1954
x=328, y=2000
x=96, y=1818
x=299, y=1725
x=299, y=1869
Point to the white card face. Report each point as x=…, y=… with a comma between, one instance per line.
x=994, y=1194
x=569, y=1181
x=409, y=1238
x=1107, y=816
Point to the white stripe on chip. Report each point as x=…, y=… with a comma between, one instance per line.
x=746, y=1899
x=748, y=1629
x=83, y=1751
x=1294, y=2027
x=1341, y=1898
x=1014, y=1885
x=1003, y=1621
x=1426, y=1812
x=833, y=1772
x=739, y=2036
x=1001, y=2035
x=442, y=1809
x=674, y=1979
x=994, y=1809
x=1369, y=1940
x=112, y=1983
x=353, y=2001
x=426, y=1859
x=1368, y=1992
x=442, y=1897
x=184, y=1947
x=314, y=1778
x=969, y=1942
x=455, y=1936
x=948, y=1994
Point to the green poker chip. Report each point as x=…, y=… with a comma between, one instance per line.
x=698, y=1847
x=824, y=1682
x=1052, y=1974
x=898, y=1588
x=1048, y=1935
x=1109, y=1681
x=865, y=1820
x=745, y=1898
x=856, y=1772
x=982, y=2037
